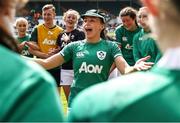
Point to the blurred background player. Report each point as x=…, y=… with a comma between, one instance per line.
x=22, y=36
x=125, y=33
x=143, y=43
x=124, y=36
x=45, y=35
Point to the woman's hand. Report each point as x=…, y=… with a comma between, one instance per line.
x=32, y=45
x=66, y=38
x=141, y=64
x=21, y=45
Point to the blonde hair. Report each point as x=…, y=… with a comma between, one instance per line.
x=74, y=12
x=48, y=6
x=18, y=20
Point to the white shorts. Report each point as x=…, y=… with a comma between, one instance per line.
x=66, y=77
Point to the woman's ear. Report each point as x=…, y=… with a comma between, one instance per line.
x=150, y=4
x=102, y=27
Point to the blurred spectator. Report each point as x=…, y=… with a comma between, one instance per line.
x=70, y=34
x=143, y=44
x=22, y=36
x=45, y=35
x=125, y=33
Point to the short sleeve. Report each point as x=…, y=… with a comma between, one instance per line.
x=118, y=34
x=115, y=50
x=67, y=52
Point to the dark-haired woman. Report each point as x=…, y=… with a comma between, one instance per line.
x=125, y=33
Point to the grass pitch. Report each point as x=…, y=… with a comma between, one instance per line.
x=63, y=101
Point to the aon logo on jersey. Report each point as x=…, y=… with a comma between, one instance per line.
x=49, y=42
x=90, y=68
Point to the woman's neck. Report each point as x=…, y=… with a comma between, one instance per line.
x=69, y=29
x=93, y=40
x=133, y=28
x=21, y=35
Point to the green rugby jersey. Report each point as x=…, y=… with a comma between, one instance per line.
x=91, y=62
x=27, y=92
x=125, y=39
x=144, y=45
x=25, y=51
x=151, y=96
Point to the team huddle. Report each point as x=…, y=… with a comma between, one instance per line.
x=81, y=60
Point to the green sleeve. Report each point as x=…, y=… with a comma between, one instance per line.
x=119, y=35
x=115, y=50
x=67, y=51
x=136, y=52
x=34, y=35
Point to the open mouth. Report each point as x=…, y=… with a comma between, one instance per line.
x=88, y=30
x=22, y=31
x=70, y=22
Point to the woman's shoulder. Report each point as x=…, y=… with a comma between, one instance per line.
x=120, y=27
x=79, y=42
x=110, y=42
x=59, y=28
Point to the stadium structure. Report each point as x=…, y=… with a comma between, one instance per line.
x=111, y=6
x=32, y=11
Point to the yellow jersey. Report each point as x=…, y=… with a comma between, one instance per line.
x=47, y=38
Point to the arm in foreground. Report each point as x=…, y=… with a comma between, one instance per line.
x=140, y=65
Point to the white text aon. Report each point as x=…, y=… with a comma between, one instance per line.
x=49, y=42
x=90, y=68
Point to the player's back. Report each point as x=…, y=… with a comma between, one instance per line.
x=149, y=96
x=27, y=92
